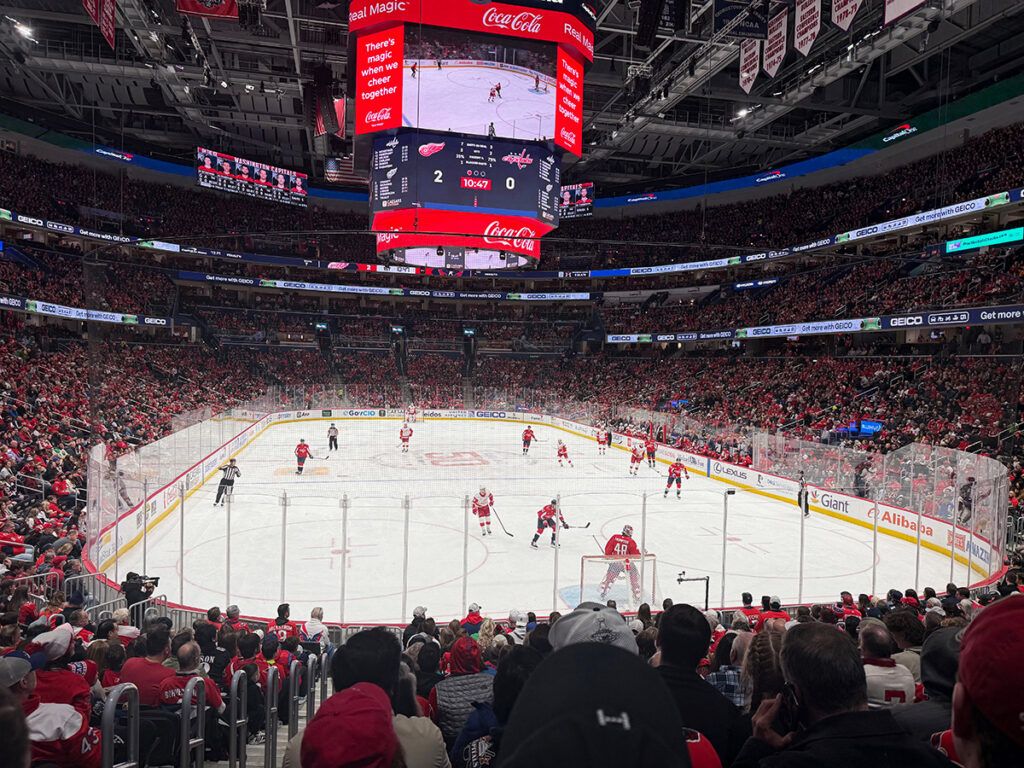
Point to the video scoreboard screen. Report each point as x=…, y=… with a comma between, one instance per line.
x=465, y=173
x=227, y=173
x=576, y=201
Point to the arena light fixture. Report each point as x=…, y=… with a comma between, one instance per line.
x=743, y=112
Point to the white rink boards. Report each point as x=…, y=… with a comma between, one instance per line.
x=450, y=459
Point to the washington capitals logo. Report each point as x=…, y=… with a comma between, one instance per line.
x=520, y=160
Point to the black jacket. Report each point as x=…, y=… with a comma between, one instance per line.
x=870, y=739
x=706, y=710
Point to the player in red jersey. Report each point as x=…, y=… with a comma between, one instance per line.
x=676, y=472
x=546, y=519
x=482, y=504
x=492, y=95
x=636, y=458
x=528, y=437
x=301, y=454
x=621, y=545
x=651, y=446
x=414, y=67
x=602, y=441
x=404, y=434
x=563, y=453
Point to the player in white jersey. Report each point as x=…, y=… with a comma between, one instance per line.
x=404, y=434
x=410, y=414
x=483, y=502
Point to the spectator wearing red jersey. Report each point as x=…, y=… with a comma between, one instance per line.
x=233, y=621
x=56, y=683
x=172, y=689
x=774, y=611
x=282, y=627
x=148, y=673
x=60, y=735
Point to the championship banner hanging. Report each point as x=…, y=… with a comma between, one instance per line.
x=806, y=25
x=843, y=12
x=775, y=45
x=897, y=9
x=108, y=21
x=750, y=63
x=222, y=9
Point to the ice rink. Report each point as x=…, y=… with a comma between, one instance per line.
x=450, y=459
x=455, y=98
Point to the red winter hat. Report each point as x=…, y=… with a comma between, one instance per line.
x=352, y=728
x=466, y=656
x=990, y=668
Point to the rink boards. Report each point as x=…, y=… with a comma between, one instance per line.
x=934, y=534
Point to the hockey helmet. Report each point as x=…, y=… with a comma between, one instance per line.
x=627, y=530
x=483, y=489
x=554, y=501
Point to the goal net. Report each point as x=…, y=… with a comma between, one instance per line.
x=629, y=581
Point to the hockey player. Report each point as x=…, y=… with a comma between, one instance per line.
x=227, y=482
x=676, y=472
x=536, y=83
x=621, y=545
x=415, y=65
x=492, y=95
x=636, y=458
x=651, y=446
x=563, y=453
x=404, y=434
x=301, y=454
x=410, y=414
x=332, y=438
x=546, y=519
x=497, y=89
x=602, y=441
x=482, y=504
x=439, y=64
x=528, y=437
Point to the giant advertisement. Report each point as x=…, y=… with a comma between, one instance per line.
x=569, y=103
x=227, y=173
x=379, y=79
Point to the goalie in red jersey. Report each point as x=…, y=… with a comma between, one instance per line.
x=676, y=472
x=621, y=545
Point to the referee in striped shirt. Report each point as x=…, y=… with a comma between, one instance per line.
x=227, y=482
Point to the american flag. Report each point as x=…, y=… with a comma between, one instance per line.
x=341, y=170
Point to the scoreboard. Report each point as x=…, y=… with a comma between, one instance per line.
x=444, y=171
x=576, y=201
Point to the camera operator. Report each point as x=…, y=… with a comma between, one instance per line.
x=137, y=589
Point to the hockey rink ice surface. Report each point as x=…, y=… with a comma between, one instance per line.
x=450, y=459
x=454, y=98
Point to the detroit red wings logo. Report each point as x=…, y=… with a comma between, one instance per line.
x=520, y=160
x=431, y=149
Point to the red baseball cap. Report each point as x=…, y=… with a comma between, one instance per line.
x=990, y=668
x=352, y=728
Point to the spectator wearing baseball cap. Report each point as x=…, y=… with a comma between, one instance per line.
x=593, y=704
x=55, y=682
x=774, y=611
x=822, y=717
x=593, y=623
x=988, y=700
x=419, y=615
x=60, y=735
x=471, y=624
x=940, y=657
x=684, y=636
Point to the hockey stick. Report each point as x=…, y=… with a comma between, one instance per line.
x=578, y=526
x=501, y=523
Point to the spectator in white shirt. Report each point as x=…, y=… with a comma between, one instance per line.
x=889, y=683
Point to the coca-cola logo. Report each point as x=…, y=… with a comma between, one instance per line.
x=514, y=22
x=521, y=238
x=568, y=136
x=431, y=149
x=520, y=160
x=379, y=116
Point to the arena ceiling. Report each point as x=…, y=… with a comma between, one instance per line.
x=166, y=88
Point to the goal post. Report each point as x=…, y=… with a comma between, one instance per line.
x=628, y=580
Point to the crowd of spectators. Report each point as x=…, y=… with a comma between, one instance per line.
x=904, y=679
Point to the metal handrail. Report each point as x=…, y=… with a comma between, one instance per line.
x=270, y=724
x=238, y=719
x=325, y=665
x=110, y=709
x=294, y=697
x=312, y=667
x=193, y=746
